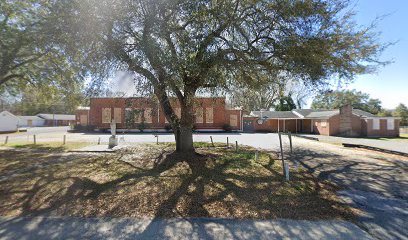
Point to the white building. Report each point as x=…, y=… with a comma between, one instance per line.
x=8, y=122
x=31, y=121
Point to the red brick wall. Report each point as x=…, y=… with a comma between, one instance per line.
x=318, y=127
x=238, y=113
x=383, y=131
x=271, y=125
x=52, y=123
x=356, y=125
x=306, y=125
x=96, y=105
x=78, y=114
x=334, y=125
x=220, y=114
x=290, y=125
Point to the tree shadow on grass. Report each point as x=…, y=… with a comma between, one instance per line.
x=225, y=184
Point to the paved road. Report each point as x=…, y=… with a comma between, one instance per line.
x=393, y=145
x=266, y=141
x=373, y=182
x=42, y=133
x=198, y=228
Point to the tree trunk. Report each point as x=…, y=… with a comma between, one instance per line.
x=184, y=140
x=182, y=127
x=184, y=132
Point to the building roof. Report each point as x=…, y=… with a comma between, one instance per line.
x=7, y=113
x=306, y=113
x=34, y=118
x=48, y=116
x=273, y=114
x=321, y=114
x=362, y=113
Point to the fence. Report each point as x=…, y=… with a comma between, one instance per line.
x=20, y=139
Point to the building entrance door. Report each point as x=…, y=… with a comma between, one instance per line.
x=248, y=126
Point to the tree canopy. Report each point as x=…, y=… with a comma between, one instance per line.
x=26, y=54
x=272, y=93
x=182, y=47
x=337, y=99
x=402, y=112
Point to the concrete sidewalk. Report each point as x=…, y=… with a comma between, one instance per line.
x=194, y=228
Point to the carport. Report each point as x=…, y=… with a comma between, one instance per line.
x=269, y=121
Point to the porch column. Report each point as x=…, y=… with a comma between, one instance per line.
x=311, y=126
x=278, y=125
x=158, y=115
x=284, y=127
x=296, y=124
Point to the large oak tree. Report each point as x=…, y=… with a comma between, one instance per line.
x=27, y=56
x=182, y=47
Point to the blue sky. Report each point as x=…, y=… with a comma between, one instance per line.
x=390, y=83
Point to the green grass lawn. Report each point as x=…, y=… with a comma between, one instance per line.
x=152, y=180
x=48, y=146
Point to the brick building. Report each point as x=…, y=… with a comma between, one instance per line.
x=346, y=121
x=147, y=114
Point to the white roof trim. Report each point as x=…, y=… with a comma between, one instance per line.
x=381, y=117
x=298, y=114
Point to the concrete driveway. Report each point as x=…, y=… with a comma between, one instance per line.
x=392, y=145
x=374, y=182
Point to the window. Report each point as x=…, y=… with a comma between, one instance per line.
x=138, y=115
x=106, y=115
x=199, y=118
x=234, y=120
x=117, y=115
x=83, y=119
x=209, y=115
x=148, y=115
x=128, y=117
x=323, y=123
x=376, y=124
x=390, y=124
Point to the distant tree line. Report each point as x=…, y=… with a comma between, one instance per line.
x=358, y=100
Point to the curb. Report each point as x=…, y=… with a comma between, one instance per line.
x=350, y=145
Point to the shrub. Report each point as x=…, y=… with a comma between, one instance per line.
x=90, y=128
x=227, y=127
x=77, y=127
x=80, y=128
x=168, y=127
x=141, y=127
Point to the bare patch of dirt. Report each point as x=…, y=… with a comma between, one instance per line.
x=153, y=180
